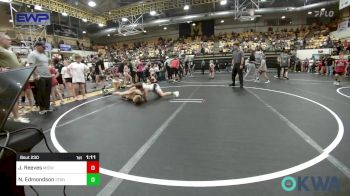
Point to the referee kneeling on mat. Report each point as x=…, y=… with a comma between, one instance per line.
x=238, y=64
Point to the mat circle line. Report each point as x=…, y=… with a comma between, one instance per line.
x=217, y=183
x=343, y=94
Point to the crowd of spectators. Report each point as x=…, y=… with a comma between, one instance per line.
x=308, y=37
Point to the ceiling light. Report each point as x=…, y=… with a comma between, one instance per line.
x=64, y=14
x=108, y=35
x=190, y=16
x=283, y=17
x=92, y=4
x=323, y=9
x=110, y=30
x=309, y=13
x=124, y=34
x=165, y=28
x=160, y=21
x=152, y=13
x=186, y=7
x=223, y=2
x=6, y=1
x=84, y=20
x=100, y=25
x=84, y=32
x=124, y=19
x=193, y=24
x=28, y=6
x=222, y=21
x=144, y=31
x=188, y=22
x=262, y=0
x=222, y=13
x=38, y=7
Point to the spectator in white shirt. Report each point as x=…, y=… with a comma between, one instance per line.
x=67, y=78
x=78, y=70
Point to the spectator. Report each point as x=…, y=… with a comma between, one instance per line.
x=67, y=79
x=211, y=69
x=203, y=66
x=58, y=66
x=54, y=83
x=330, y=65
x=139, y=71
x=175, y=65
x=341, y=66
x=42, y=76
x=8, y=60
x=127, y=76
x=78, y=70
x=99, y=71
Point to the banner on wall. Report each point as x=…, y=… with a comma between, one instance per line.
x=32, y=18
x=343, y=4
x=61, y=30
x=344, y=25
x=65, y=47
x=197, y=29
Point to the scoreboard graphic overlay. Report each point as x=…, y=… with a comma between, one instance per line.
x=58, y=169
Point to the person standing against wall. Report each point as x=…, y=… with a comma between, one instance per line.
x=42, y=76
x=238, y=64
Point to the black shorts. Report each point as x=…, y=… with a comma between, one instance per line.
x=139, y=74
x=169, y=70
x=174, y=71
x=97, y=72
x=68, y=80
x=59, y=79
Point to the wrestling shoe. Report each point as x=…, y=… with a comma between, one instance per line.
x=176, y=93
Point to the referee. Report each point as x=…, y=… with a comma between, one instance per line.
x=238, y=64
